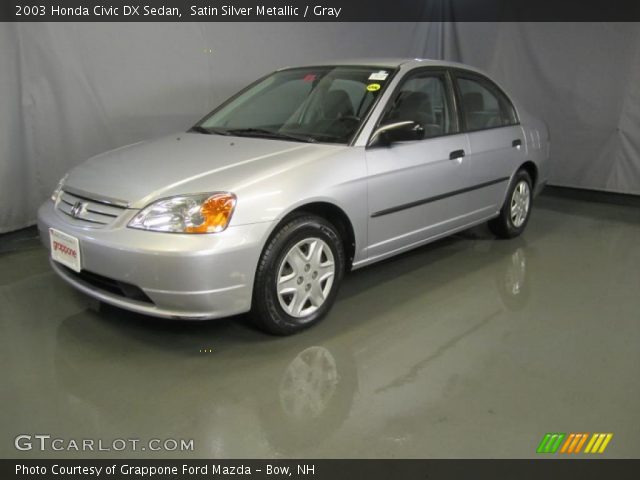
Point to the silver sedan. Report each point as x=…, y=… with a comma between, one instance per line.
x=306, y=174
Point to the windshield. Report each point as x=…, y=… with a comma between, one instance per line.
x=319, y=104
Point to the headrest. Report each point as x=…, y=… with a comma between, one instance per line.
x=337, y=104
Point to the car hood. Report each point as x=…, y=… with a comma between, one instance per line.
x=180, y=163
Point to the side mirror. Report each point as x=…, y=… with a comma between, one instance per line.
x=397, y=132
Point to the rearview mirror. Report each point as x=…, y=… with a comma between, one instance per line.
x=397, y=132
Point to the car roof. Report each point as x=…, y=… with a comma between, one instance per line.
x=385, y=63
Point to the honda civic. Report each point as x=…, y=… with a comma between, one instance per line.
x=310, y=172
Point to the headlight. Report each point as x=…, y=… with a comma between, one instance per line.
x=56, y=192
x=202, y=213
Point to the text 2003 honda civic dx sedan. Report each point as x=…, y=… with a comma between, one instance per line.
x=307, y=173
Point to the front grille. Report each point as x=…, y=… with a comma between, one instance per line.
x=88, y=211
x=116, y=287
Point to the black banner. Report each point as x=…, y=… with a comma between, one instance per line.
x=319, y=10
x=320, y=469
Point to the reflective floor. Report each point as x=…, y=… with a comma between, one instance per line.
x=470, y=347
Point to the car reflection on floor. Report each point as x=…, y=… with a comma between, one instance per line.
x=252, y=394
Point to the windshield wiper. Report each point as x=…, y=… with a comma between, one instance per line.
x=208, y=131
x=199, y=129
x=263, y=132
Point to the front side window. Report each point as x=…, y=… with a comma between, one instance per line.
x=422, y=98
x=325, y=104
x=483, y=105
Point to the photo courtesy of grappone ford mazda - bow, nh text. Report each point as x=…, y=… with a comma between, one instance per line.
x=267, y=202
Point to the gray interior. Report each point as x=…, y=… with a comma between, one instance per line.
x=70, y=91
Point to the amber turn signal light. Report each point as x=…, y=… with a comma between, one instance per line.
x=216, y=213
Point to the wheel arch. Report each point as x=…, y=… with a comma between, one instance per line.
x=333, y=214
x=531, y=168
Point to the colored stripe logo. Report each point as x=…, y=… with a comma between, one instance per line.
x=574, y=442
x=598, y=443
x=550, y=443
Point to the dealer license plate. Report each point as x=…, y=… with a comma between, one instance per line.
x=65, y=249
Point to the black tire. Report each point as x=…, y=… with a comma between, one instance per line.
x=267, y=312
x=502, y=226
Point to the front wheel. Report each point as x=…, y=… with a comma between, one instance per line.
x=516, y=210
x=298, y=275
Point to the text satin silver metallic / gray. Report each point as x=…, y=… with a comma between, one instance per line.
x=305, y=174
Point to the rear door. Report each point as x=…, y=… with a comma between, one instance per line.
x=417, y=189
x=496, y=140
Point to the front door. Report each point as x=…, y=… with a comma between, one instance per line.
x=418, y=189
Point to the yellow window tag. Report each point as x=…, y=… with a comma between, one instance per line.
x=373, y=87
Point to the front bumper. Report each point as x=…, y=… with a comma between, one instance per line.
x=172, y=275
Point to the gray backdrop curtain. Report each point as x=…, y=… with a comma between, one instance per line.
x=70, y=91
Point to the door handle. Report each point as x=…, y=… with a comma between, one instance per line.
x=456, y=154
x=517, y=143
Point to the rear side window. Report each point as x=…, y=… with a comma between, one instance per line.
x=484, y=105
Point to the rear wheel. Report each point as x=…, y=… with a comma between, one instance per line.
x=516, y=209
x=298, y=275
